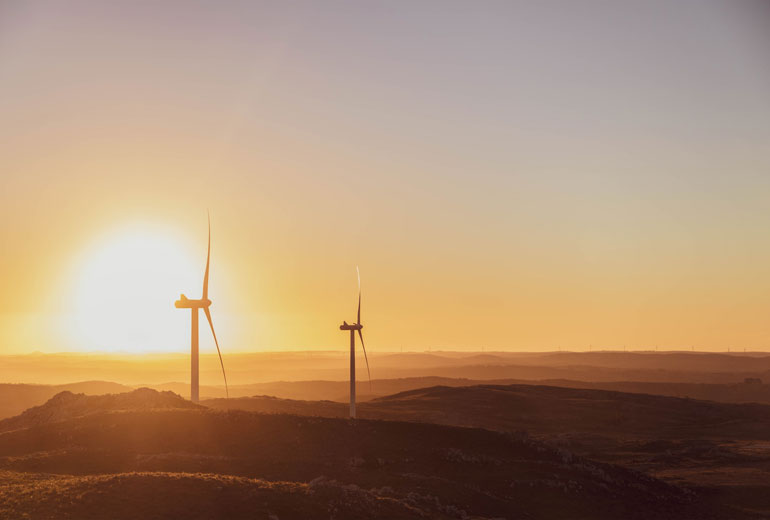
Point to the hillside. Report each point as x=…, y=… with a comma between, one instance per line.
x=722, y=447
x=542, y=410
x=66, y=405
x=738, y=392
x=273, y=405
x=15, y=398
x=741, y=392
x=192, y=496
x=547, y=409
x=406, y=469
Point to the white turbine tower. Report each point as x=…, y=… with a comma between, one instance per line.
x=204, y=303
x=353, y=328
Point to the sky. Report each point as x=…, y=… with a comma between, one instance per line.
x=507, y=175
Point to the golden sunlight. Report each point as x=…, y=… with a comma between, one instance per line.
x=125, y=290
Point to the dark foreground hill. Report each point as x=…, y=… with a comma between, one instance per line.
x=191, y=463
x=191, y=496
x=699, y=443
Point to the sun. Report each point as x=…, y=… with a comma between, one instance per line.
x=124, y=292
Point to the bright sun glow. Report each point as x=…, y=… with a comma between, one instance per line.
x=125, y=291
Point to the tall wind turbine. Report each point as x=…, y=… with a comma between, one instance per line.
x=204, y=303
x=353, y=328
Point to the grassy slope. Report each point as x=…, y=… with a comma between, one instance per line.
x=433, y=468
x=191, y=496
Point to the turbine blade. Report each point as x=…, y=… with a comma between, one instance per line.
x=366, y=358
x=211, y=324
x=358, y=319
x=208, y=258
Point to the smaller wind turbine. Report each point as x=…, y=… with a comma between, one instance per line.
x=204, y=303
x=353, y=327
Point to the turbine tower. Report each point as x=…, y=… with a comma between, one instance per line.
x=353, y=328
x=185, y=303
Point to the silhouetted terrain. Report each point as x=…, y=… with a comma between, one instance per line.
x=323, y=390
x=415, y=451
x=743, y=392
x=547, y=409
x=583, y=373
x=338, y=390
x=123, y=455
x=67, y=405
x=153, y=495
x=542, y=409
x=270, y=404
x=701, y=443
x=15, y=398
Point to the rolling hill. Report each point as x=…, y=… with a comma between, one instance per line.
x=719, y=446
x=123, y=453
x=542, y=410
x=15, y=398
x=738, y=392
x=66, y=405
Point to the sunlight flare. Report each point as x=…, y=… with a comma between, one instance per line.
x=124, y=293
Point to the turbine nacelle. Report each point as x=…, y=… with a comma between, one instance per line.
x=351, y=326
x=185, y=303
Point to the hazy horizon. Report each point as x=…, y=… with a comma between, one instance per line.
x=247, y=368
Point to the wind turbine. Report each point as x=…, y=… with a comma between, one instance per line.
x=204, y=303
x=353, y=327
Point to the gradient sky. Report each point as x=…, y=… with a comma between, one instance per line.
x=512, y=175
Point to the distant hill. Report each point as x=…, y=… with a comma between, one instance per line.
x=743, y=392
x=582, y=372
x=325, y=390
x=339, y=390
x=542, y=410
x=547, y=409
x=670, y=361
x=66, y=405
x=15, y=398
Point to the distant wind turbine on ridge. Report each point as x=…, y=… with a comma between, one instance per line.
x=204, y=303
x=353, y=327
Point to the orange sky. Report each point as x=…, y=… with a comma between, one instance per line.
x=511, y=176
